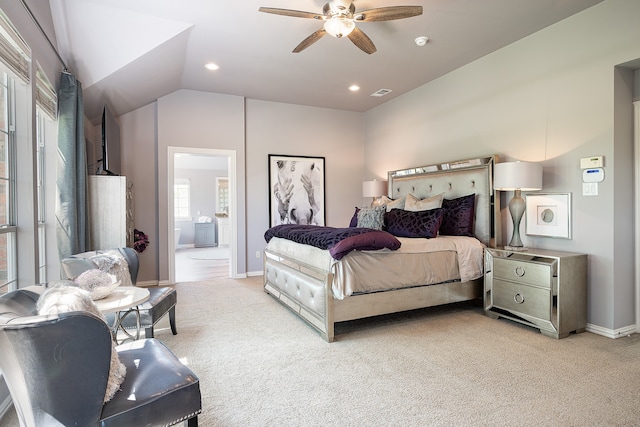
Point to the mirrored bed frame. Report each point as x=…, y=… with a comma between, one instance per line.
x=307, y=290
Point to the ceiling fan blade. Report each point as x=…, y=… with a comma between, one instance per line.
x=362, y=41
x=388, y=13
x=310, y=40
x=290, y=12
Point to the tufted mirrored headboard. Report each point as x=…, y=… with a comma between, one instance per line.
x=454, y=179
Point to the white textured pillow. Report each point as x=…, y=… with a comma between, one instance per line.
x=62, y=299
x=113, y=262
x=414, y=204
x=98, y=283
x=392, y=204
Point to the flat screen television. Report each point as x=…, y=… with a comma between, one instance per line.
x=111, y=162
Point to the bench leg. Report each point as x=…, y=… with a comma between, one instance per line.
x=172, y=322
x=148, y=332
x=192, y=422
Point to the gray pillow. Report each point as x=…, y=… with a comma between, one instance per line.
x=372, y=217
x=73, y=267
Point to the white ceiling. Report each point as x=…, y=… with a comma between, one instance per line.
x=128, y=53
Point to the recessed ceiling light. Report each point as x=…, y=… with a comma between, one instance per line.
x=354, y=88
x=211, y=66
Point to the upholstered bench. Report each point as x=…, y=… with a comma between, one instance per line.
x=162, y=299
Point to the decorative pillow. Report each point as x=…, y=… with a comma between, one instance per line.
x=98, y=283
x=73, y=267
x=391, y=203
x=354, y=218
x=459, y=216
x=114, y=263
x=372, y=217
x=414, y=204
x=60, y=299
x=402, y=223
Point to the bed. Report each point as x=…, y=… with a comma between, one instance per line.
x=323, y=290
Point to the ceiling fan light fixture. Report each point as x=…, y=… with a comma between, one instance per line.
x=339, y=26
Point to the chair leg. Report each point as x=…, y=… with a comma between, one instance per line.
x=172, y=322
x=192, y=422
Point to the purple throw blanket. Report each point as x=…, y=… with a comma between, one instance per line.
x=339, y=241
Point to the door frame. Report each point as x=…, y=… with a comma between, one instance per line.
x=233, y=205
x=636, y=133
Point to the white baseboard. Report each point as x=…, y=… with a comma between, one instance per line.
x=611, y=333
x=255, y=273
x=147, y=283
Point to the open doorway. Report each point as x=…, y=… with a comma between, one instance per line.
x=202, y=202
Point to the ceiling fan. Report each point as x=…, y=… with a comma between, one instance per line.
x=340, y=19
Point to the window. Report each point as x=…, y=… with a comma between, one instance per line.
x=181, y=199
x=222, y=194
x=7, y=186
x=46, y=105
x=41, y=207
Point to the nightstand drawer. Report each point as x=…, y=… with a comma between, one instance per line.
x=538, y=274
x=524, y=299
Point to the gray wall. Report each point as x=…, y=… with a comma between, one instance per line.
x=276, y=128
x=553, y=97
x=254, y=129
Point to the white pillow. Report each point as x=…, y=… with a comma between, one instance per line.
x=113, y=262
x=392, y=204
x=61, y=299
x=414, y=204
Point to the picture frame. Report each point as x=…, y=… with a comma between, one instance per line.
x=296, y=190
x=549, y=215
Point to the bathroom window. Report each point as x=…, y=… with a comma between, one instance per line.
x=182, y=199
x=222, y=194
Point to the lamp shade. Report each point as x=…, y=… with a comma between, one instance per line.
x=374, y=188
x=510, y=176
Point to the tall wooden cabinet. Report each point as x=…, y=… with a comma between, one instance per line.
x=110, y=211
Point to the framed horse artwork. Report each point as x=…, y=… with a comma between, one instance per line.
x=296, y=190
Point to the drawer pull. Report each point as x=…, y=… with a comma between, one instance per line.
x=518, y=298
x=519, y=271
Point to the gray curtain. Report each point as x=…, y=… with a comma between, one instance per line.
x=72, y=227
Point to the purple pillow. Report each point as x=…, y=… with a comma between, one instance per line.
x=368, y=241
x=403, y=223
x=354, y=218
x=458, y=216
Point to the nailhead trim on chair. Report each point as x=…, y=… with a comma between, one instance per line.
x=185, y=418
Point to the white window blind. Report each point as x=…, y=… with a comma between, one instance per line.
x=46, y=97
x=14, y=51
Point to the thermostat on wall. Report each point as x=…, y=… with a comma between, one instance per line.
x=592, y=162
x=593, y=175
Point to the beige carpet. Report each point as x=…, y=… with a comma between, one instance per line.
x=259, y=365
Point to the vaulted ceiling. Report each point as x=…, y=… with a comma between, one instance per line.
x=129, y=53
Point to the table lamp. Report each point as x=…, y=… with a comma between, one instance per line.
x=517, y=176
x=374, y=189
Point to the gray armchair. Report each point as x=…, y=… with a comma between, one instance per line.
x=162, y=299
x=56, y=368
